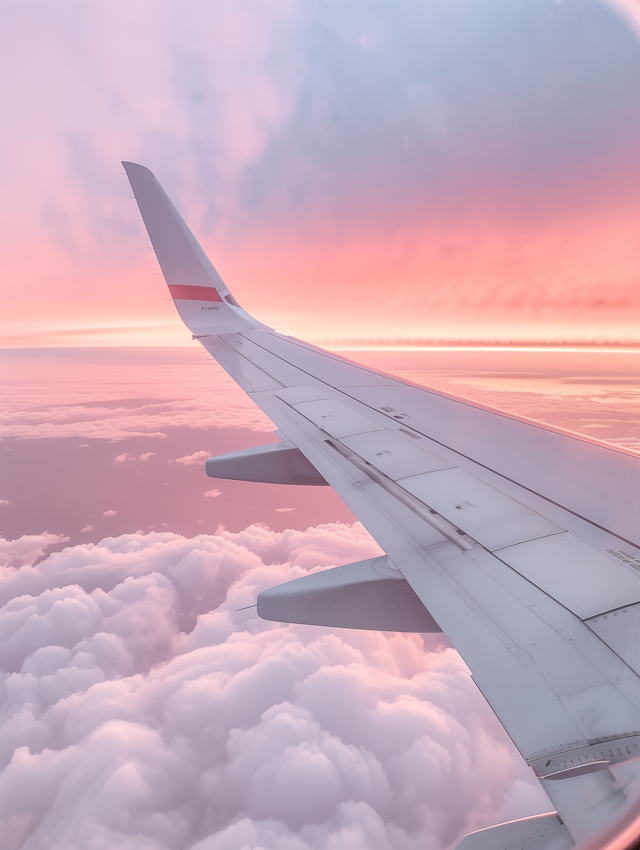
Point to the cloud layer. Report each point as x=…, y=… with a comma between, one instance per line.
x=141, y=709
x=118, y=395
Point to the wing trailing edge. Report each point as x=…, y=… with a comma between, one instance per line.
x=541, y=831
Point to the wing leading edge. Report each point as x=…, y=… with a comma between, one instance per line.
x=494, y=523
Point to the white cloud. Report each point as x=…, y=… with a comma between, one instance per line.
x=139, y=706
x=42, y=411
x=109, y=513
x=212, y=494
x=123, y=458
x=195, y=458
x=26, y=549
x=127, y=458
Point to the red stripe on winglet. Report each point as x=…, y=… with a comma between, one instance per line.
x=194, y=293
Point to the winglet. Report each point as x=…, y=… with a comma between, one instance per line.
x=201, y=297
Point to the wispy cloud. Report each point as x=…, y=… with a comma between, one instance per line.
x=127, y=458
x=123, y=458
x=64, y=398
x=194, y=459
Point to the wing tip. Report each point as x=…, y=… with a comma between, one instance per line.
x=135, y=167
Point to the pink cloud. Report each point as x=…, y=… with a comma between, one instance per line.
x=110, y=513
x=122, y=458
x=212, y=494
x=27, y=549
x=4, y=502
x=194, y=459
x=284, y=510
x=86, y=529
x=75, y=398
x=121, y=653
x=127, y=458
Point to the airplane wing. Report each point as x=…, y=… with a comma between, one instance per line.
x=519, y=542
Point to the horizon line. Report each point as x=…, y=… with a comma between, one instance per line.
x=344, y=345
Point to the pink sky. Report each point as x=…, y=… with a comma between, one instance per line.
x=435, y=173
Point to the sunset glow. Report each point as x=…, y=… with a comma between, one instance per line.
x=479, y=184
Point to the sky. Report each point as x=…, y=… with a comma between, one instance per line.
x=359, y=172
x=419, y=184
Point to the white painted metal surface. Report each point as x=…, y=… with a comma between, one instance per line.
x=335, y=418
x=287, y=374
x=320, y=364
x=314, y=392
x=620, y=629
x=395, y=455
x=464, y=500
x=557, y=466
x=584, y=580
x=491, y=517
x=247, y=374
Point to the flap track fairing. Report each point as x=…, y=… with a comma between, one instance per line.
x=369, y=594
x=281, y=463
